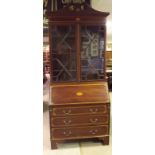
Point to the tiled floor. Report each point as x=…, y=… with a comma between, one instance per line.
x=82, y=148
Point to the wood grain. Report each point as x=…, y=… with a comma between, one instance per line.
x=91, y=93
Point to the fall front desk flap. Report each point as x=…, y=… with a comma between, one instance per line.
x=80, y=93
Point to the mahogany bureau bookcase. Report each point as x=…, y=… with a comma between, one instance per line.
x=80, y=106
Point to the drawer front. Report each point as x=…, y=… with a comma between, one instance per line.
x=79, y=132
x=70, y=110
x=79, y=120
x=80, y=93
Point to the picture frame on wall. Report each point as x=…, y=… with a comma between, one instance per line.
x=53, y=5
x=62, y=3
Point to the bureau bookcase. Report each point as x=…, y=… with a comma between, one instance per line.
x=80, y=106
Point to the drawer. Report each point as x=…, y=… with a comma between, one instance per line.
x=80, y=93
x=80, y=120
x=71, y=110
x=79, y=132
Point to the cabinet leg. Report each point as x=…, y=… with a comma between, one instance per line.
x=106, y=140
x=54, y=144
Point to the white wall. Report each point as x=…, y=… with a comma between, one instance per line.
x=105, y=6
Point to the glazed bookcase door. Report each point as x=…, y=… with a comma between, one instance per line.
x=92, y=53
x=63, y=52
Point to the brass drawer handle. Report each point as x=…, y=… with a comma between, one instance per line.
x=67, y=111
x=93, y=120
x=67, y=121
x=67, y=133
x=93, y=132
x=93, y=110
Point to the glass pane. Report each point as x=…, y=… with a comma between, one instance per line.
x=92, y=48
x=63, y=53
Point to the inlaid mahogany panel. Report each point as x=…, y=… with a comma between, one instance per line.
x=80, y=93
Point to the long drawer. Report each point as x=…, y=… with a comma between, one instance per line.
x=79, y=132
x=78, y=120
x=80, y=110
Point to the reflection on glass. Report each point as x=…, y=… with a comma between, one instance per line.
x=63, y=53
x=92, y=48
